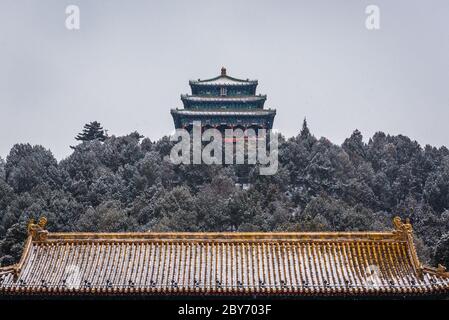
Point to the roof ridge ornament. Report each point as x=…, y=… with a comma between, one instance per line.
x=405, y=231
x=37, y=230
x=441, y=270
x=223, y=71
x=401, y=226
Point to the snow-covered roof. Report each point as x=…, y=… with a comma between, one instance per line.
x=233, y=263
x=223, y=98
x=223, y=80
x=227, y=112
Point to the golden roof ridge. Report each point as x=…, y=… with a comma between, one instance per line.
x=323, y=263
x=235, y=236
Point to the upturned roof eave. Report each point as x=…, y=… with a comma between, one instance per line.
x=187, y=97
x=428, y=280
x=233, y=81
x=224, y=112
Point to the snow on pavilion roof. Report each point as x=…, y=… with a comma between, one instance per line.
x=223, y=98
x=227, y=112
x=300, y=264
x=223, y=80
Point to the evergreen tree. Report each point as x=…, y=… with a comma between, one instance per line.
x=92, y=131
x=124, y=184
x=442, y=250
x=29, y=166
x=2, y=169
x=355, y=147
x=305, y=132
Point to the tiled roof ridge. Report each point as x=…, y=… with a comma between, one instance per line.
x=402, y=231
x=233, y=236
x=241, y=81
x=15, y=269
x=223, y=75
x=259, y=96
x=346, y=254
x=225, y=112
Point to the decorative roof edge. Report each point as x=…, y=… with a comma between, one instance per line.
x=223, y=74
x=225, y=236
x=230, y=112
x=15, y=269
x=405, y=231
x=8, y=269
x=238, y=82
x=402, y=232
x=438, y=271
x=253, y=97
x=37, y=230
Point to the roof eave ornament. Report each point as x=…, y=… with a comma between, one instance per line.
x=405, y=231
x=442, y=271
x=401, y=227
x=37, y=230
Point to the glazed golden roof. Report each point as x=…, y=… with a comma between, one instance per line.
x=311, y=263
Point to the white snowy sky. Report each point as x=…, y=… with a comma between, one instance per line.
x=130, y=61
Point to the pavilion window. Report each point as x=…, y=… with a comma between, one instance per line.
x=223, y=91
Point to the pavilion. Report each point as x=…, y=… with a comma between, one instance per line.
x=224, y=102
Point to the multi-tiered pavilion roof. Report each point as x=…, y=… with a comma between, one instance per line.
x=224, y=102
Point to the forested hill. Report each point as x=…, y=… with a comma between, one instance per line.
x=123, y=184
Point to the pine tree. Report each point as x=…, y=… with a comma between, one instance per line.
x=354, y=146
x=305, y=132
x=92, y=131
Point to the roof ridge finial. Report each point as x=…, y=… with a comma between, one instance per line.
x=405, y=230
x=37, y=230
x=223, y=71
x=401, y=226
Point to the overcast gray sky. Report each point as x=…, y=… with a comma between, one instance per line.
x=130, y=61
